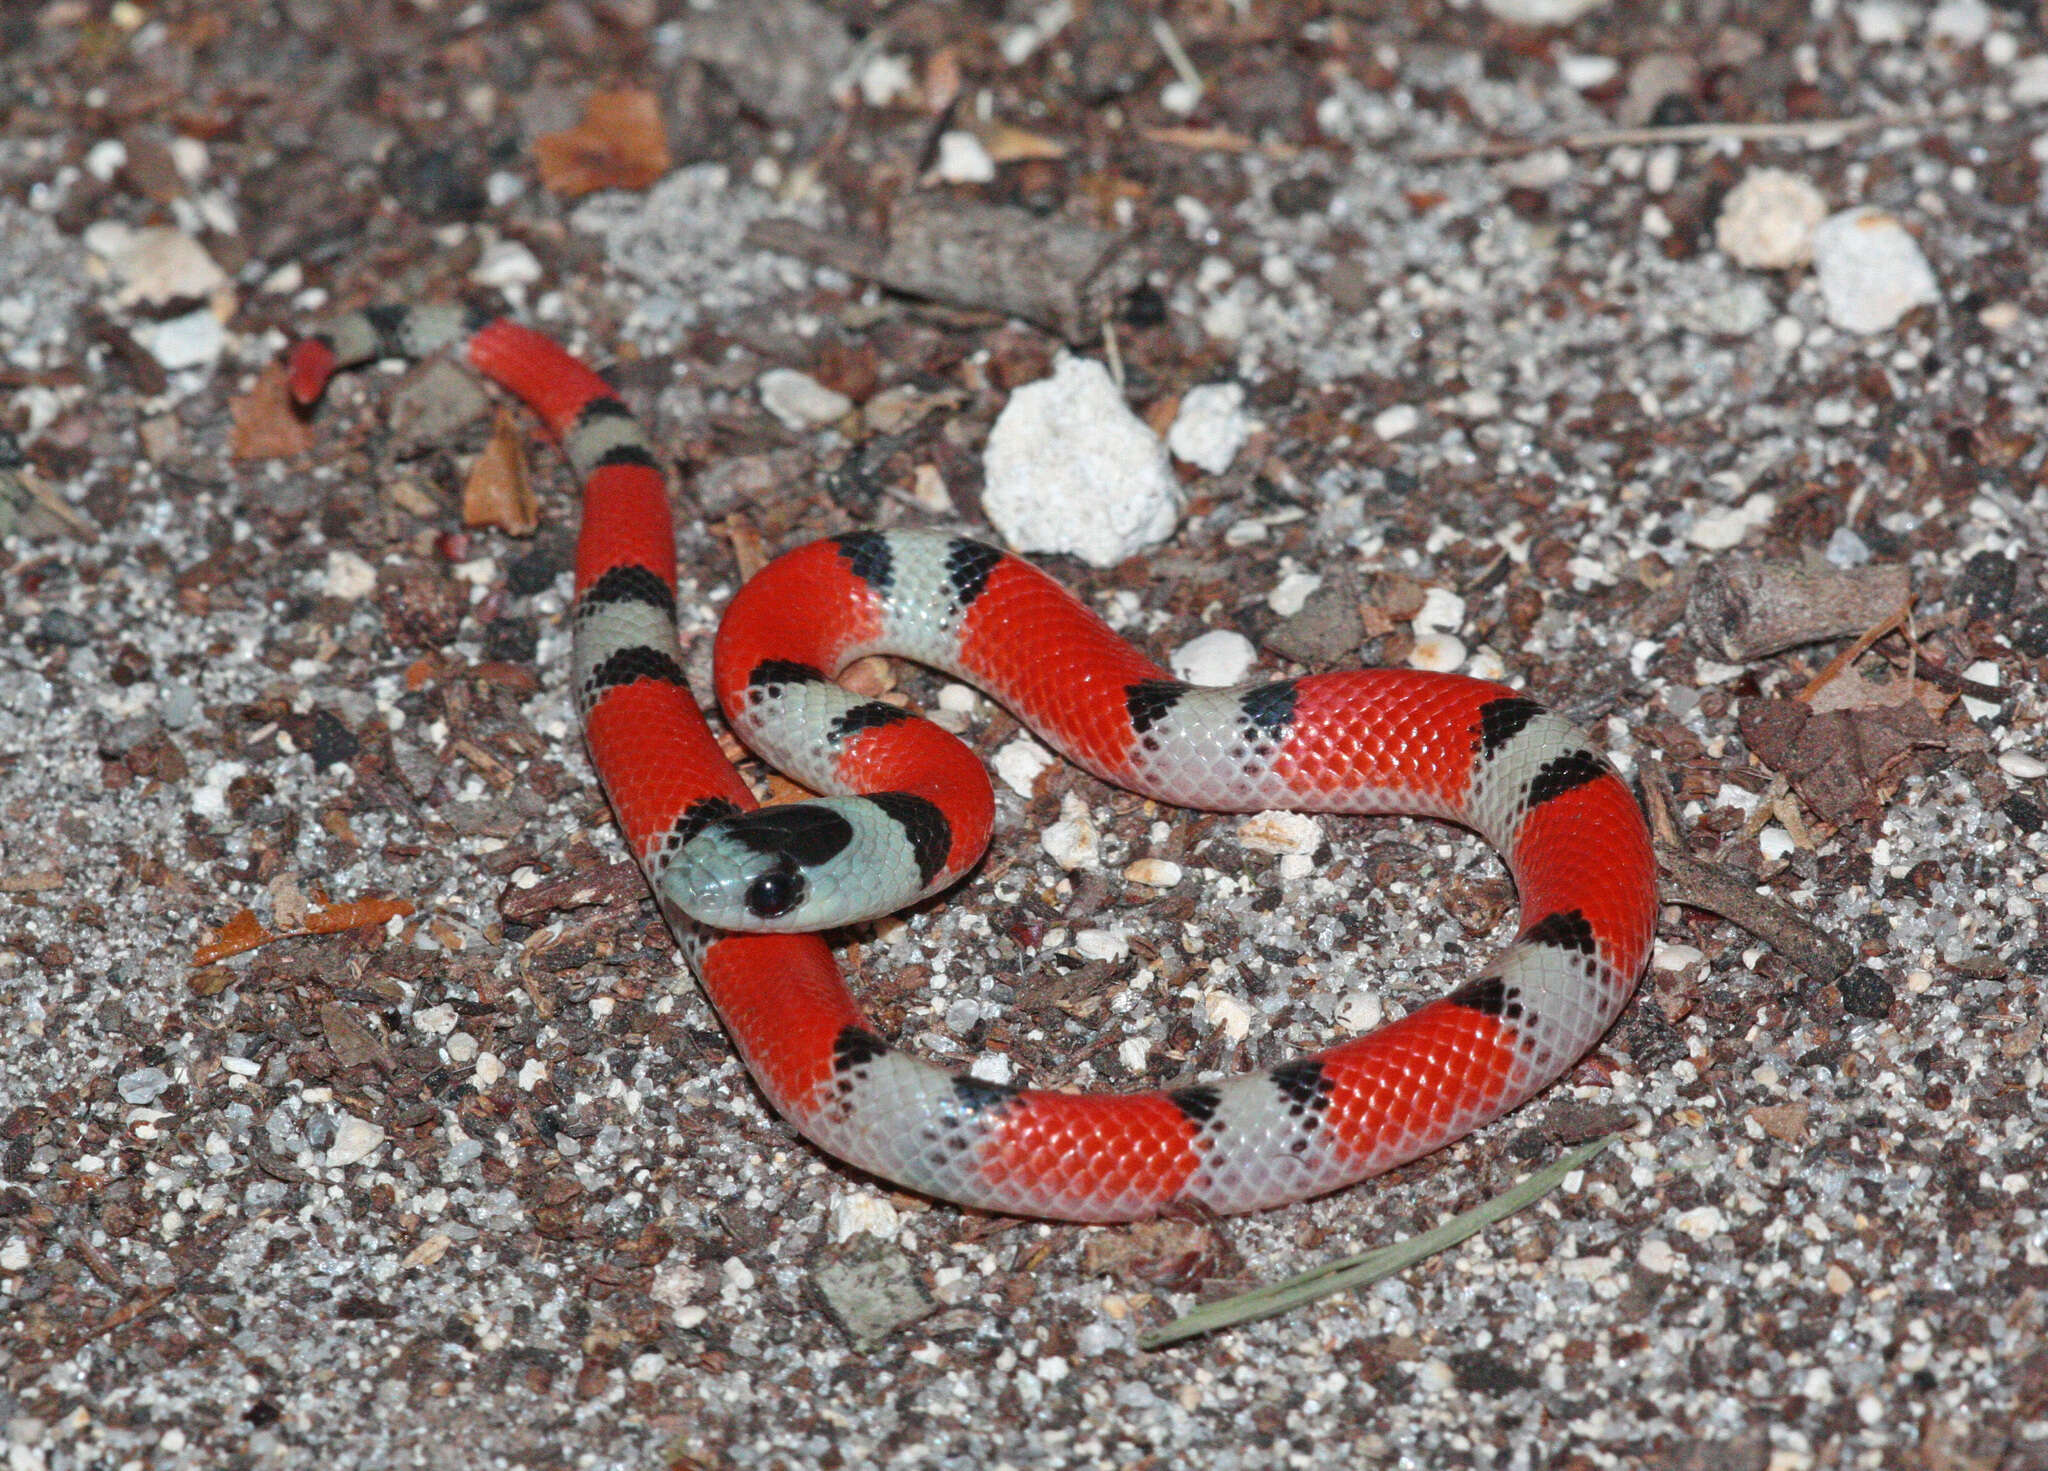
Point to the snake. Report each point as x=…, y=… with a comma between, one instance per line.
x=904, y=810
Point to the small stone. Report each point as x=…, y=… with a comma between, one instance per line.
x=2029, y=84
x=143, y=1085
x=1846, y=549
x=1438, y=652
x=1072, y=842
x=193, y=340
x=435, y=1021
x=1720, y=529
x=963, y=160
x=1392, y=423
x=1767, y=221
x=349, y=577
x=1866, y=993
x=1020, y=763
x=1211, y=427
x=1154, y=873
x=505, y=263
x=1070, y=468
x=1870, y=270
x=1291, y=594
x=872, y=1293
x=1215, y=659
x=1964, y=23
x=1280, y=832
x=1540, y=12
x=860, y=1213
x=1702, y=1223
x=157, y=264
x=1105, y=945
x=1441, y=609
x=1227, y=1014
x=2022, y=767
x=800, y=401
x=355, y=1140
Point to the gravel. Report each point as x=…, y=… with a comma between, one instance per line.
x=480, y=1183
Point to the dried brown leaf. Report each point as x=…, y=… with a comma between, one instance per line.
x=499, y=491
x=619, y=144
x=266, y=425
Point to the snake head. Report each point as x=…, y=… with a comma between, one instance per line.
x=779, y=870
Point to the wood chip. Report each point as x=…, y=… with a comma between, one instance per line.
x=1741, y=608
x=1062, y=274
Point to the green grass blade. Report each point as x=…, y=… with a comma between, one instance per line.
x=1350, y=1273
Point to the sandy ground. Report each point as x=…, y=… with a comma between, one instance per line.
x=481, y=1184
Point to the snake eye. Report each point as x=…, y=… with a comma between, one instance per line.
x=775, y=893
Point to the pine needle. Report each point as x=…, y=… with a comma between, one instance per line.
x=1351, y=1273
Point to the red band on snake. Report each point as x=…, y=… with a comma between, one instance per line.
x=913, y=810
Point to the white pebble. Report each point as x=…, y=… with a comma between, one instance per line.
x=1983, y=672
x=355, y=1140
x=1154, y=873
x=1670, y=957
x=1881, y=22
x=2029, y=84
x=1211, y=426
x=1070, y=468
x=800, y=401
x=1540, y=12
x=488, y=1070
x=1438, y=652
x=505, y=263
x=1963, y=22
x=1718, y=530
x=1219, y=657
x=1441, y=609
x=1582, y=70
x=961, y=699
x=1134, y=1053
x=532, y=1072
x=1227, y=1014
x=461, y=1047
x=1102, y=945
x=1394, y=422
x=435, y=1021
x=1360, y=1011
x=1020, y=763
x=156, y=264
x=1702, y=1222
x=1775, y=843
x=1280, y=832
x=862, y=1213
x=962, y=159
x=1870, y=270
x=103, y=160
x=1291, y=593
x=993, y=1067
x=1655, y=1255
x=193, y=340
x=2021, y=766
x=1072, y=842
x=1767, y=221
x=884, y=78
x=1846, y=549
